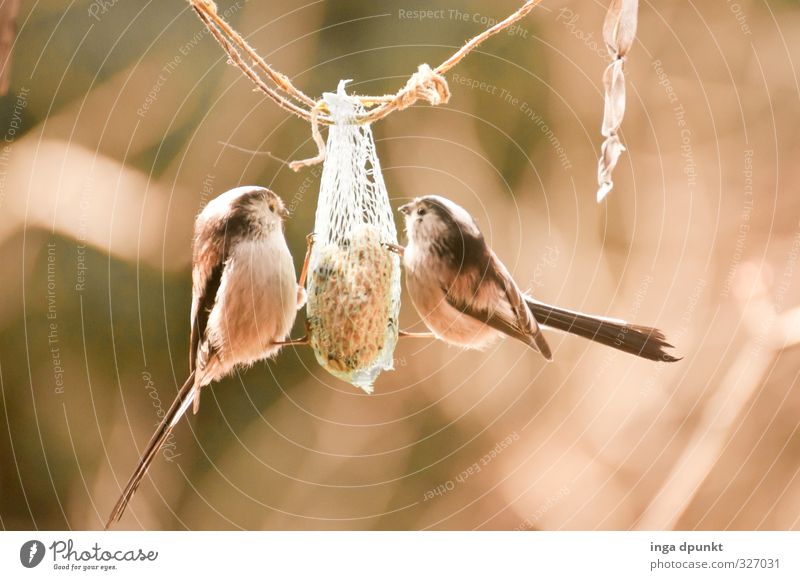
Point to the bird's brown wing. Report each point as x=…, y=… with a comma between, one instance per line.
x=201, y=308
x=517, y=320
x=490, y=318
x=206, y=279
x=525, y=321
x=209, y=263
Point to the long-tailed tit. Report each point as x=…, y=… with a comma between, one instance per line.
x=466, y=296
x=245, y=297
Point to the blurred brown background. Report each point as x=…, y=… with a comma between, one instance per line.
x=114, y=127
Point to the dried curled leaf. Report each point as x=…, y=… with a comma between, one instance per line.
x=614, y=83
x=619, y=27
x=609, y=155
x=619, y=31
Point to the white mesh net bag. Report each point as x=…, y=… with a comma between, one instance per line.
x=354, y=280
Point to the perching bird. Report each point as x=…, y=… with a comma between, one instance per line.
x=245, y=297
x=466, y=296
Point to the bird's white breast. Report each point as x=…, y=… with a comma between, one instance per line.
x=257, y=300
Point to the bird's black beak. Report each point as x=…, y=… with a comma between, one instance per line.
x=284, y=213
x=405, y=209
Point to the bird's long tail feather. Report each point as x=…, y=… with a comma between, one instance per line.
x=641, y=341
x=179, y=406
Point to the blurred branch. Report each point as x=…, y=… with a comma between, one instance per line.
x=72, y=201
x=8, y=32
x=719, y=418
x=789, y=328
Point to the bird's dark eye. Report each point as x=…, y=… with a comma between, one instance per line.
x=272, y=207
x=421, y=211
